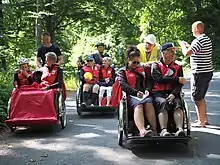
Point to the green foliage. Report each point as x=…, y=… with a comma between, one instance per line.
x=5, y=91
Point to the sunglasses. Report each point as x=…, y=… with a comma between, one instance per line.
x=135, y=62
x=89, y=60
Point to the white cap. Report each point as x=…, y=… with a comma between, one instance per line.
x=150, y=38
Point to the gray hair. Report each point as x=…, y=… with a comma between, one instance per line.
x=109, y=59
x=51, y=56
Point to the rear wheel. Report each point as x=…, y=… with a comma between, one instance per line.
x=77, y=103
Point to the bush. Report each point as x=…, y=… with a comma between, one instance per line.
x=5, y=91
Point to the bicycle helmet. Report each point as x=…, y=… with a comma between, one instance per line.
x=23, y=61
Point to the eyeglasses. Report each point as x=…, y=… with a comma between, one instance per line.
x=135, y=62
x=89, y=60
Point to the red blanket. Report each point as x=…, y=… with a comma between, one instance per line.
x=30, y=105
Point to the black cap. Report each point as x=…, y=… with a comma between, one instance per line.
x=89, y=58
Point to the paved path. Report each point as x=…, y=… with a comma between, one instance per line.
x=92, y=140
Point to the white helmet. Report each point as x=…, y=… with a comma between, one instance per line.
x=23, y=61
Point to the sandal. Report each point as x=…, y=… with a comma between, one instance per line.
x=206, y=123
x=146, y=133
x=198, y=125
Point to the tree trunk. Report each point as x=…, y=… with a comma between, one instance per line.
x=198, y=4
x=38, y=28
x=50, y=21
x=1, y=25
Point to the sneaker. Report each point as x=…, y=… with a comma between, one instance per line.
x=83, y=104
x=164, y=133
x=180, y=132
x=92, y=105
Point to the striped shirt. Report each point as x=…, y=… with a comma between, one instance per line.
x=201, y=59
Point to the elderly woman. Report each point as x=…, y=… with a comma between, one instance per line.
x=90, y=86
x=134, y=81
x=106, y=80
x=52, y=76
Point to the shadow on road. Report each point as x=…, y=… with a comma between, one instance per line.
x=203, y=145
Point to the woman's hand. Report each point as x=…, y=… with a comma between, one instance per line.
x=170, y=98
x=107, y=80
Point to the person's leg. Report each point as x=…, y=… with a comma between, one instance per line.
x=139, y=117
x=101, y=93
x=201, y=84
x=139, y=121
x=196, y=87
x=208, y=79
x=178, y=118
x=109, y=95
x=94, y=95
x=200, y=107
x=86, y=88
x=162, y=114
x=150, y=115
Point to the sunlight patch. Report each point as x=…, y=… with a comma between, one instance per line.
x=213, y=156
x=109, y=154
x=60, y=144
x=87, y=135
x=207, y=130
x=115, y=132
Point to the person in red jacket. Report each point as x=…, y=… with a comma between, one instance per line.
x=52, y=76
x=106, y=80
x=90, y=86
x=134, y=80
x=23, y=75
x=168, y=82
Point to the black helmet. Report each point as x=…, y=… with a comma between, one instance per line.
x=100, y=44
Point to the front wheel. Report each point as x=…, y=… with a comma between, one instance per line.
x=120, y=136
x=62, y=107
x=12, y=129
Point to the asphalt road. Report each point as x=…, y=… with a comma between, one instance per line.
x=92, y=140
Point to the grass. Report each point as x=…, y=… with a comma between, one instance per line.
x=71, y=83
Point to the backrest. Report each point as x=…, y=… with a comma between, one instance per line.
x=37, y=76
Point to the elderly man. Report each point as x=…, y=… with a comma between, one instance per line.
x=200, y=52
x=168, y=81
x=52, y=76
x=150, y=50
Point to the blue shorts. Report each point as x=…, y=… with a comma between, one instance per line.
x=132, y=103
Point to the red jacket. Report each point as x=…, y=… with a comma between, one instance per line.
x=128, y=80
x=106, y=73
x=94, y=71
x=21, y=79
x=131, y=76
x=166, y=78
